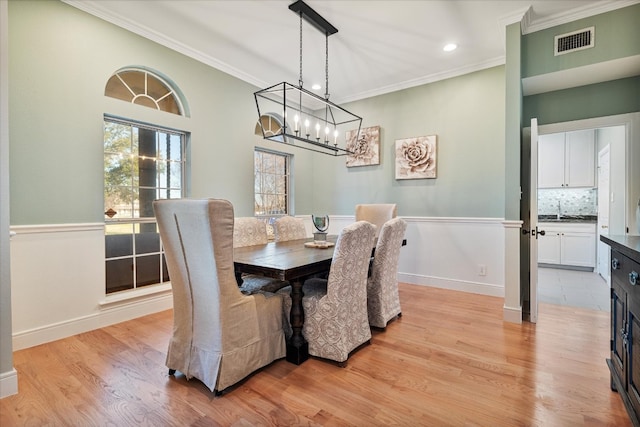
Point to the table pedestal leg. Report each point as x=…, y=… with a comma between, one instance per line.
x=297, y=346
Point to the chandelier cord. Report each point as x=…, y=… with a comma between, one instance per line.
x=326, y=67
x=300, y=79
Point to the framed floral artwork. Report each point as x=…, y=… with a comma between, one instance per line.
x=365, y=147
x=416, y=157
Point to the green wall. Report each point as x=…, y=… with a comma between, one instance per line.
x=585, y=102
x=617, y=35
x=467, y=115
x=60, y=61
x=61, y=58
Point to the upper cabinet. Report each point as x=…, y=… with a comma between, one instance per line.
x=566, y=159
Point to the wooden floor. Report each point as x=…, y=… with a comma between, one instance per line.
x=449, y=360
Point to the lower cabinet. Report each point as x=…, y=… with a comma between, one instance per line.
x=625, y=332
x=567, y=244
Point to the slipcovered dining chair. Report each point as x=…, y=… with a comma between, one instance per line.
x=289, y=228
x=250, y=231
x=383, y=301
x=219, y=335
x=335, y=309
x=376, y=214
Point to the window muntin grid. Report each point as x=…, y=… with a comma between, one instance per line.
x=272, y=179
x=142, y=87
x=141, y=163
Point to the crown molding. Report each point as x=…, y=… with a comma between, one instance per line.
x=431, y=78
x=575, y=14
x=97, y=9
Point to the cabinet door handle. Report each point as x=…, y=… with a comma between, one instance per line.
x=633, y=278
x=615, y=264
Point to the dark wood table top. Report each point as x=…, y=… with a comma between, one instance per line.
x=284, y=260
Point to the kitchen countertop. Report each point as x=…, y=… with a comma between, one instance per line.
x=625, y=244
x=568, y=218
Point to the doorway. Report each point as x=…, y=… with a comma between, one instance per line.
x=580, y=285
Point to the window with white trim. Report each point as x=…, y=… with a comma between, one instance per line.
x=272, y=184
x=142, y=163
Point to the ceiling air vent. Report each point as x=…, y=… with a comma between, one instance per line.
x=576, y=40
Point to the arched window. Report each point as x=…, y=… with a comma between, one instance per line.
x=271, y=124
x=143, y=87
x=142, y=162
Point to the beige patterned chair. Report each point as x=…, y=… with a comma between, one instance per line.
x=376, y=214
x=250, y=231
x=335, y=309
x=383, y=301
x=219, y=335
x=289, y=228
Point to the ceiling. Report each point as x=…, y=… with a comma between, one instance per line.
x=381, y=46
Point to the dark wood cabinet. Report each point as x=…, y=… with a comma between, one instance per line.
x=624, y=363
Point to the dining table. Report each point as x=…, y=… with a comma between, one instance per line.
x=293, y=262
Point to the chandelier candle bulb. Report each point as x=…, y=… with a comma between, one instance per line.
x=317, y=130
x=295, y=121
x=306, y=127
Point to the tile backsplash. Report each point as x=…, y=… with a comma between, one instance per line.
x=571, y=201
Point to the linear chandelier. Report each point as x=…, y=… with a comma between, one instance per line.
x=293, y=115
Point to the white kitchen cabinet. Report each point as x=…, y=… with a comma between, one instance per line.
x=551, y=160
x=548, y=246
x=566, y=159
x=570, y=244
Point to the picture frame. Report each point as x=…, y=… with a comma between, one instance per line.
x=365, y=147
x=416, y=158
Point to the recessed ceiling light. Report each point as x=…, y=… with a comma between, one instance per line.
x=316, y=87
x=449, y=47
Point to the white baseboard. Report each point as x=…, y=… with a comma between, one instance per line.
x=106, y=317
x=8, y=383
x=512, y=314
x=452, y=284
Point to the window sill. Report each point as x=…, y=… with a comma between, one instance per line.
x=148, y=292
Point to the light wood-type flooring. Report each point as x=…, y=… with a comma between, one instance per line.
x=450, y=360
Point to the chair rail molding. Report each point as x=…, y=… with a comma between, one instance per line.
x=65, y=294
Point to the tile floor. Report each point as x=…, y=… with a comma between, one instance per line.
x=573, y=288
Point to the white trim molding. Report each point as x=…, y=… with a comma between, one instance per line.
x=65, y=294
x=512, y=309
x=8, y=383
x=124, y=311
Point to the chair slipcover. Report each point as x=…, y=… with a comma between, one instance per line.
x=383, y=301
x=250, y=231
x=219, y=335
x=289, y=228
x=335, y=309
x=376, y=214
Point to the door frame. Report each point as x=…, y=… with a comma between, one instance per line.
x=601, y=248
x=631, y=122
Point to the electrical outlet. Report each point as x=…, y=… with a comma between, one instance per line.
x=482, y=270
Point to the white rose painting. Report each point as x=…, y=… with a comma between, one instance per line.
x=416, y=157
x=365, y=148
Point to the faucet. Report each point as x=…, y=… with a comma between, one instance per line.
x=558, y=214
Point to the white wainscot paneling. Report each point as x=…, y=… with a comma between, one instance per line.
x=58, y=284
x=447, y=252
x=464, y=254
